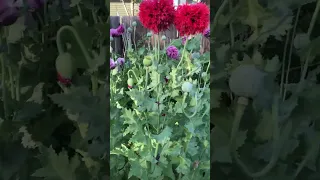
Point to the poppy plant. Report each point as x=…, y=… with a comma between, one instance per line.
x=156, y=15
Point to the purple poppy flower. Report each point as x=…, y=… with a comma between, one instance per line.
x=120, y=29
x=114, y=32
x=9, y=12
x=120, y=61
x=206, y=33
x=35, y=4
x=112, y=64
x=117, y=32
x=173, y=52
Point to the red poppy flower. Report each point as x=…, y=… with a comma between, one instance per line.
x=156, y=15
x=191, y=19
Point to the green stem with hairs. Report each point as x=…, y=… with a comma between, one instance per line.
x=316, y=142
x=241, y=106
x=206, y=111
x=79, y=11
x=18, y=83
x=184, y=50
x=94, y=84
x=217, y=16
x=134, y=38
x=231, y=25
x=94, y=16
x=314, y=18
x=308, y=156
x=290, y=52
x=208, y=67
x=45, y=12
x=11, y=83
x=196, y=106
x=3, y=84
x=283, y=63
x=146, y=80
x=149, y=44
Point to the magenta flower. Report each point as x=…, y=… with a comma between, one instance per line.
x=114, y=33
x=173, y=52
x=120, y=29
x=120, y=61
x=35, y=4
x=117, y=32
x=112, y=64
x=206, y=33
x=9, y=12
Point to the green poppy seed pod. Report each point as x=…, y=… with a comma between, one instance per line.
x=149, y=34
x=111, y=38
x=134, y=23
x=130, y=82
x=114, y=71
x=246, y=80
x=163, y=37
x=186, y=87
x=301, y=41
x=129, y=29
x=65, y=65
x=147, y=61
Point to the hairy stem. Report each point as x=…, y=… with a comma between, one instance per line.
x=242, y=103
x=3, y=86
x=314, y=18
x=290, y=53
x=11, y=83
x=217, y=16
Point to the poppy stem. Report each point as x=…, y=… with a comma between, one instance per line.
x=196, y=106
x=18, y=83
x=3, y=86
x=241, y=106
x=184, y=50
x=217, y=16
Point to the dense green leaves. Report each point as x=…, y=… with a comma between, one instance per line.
x=50, y=129
x=279, y=38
